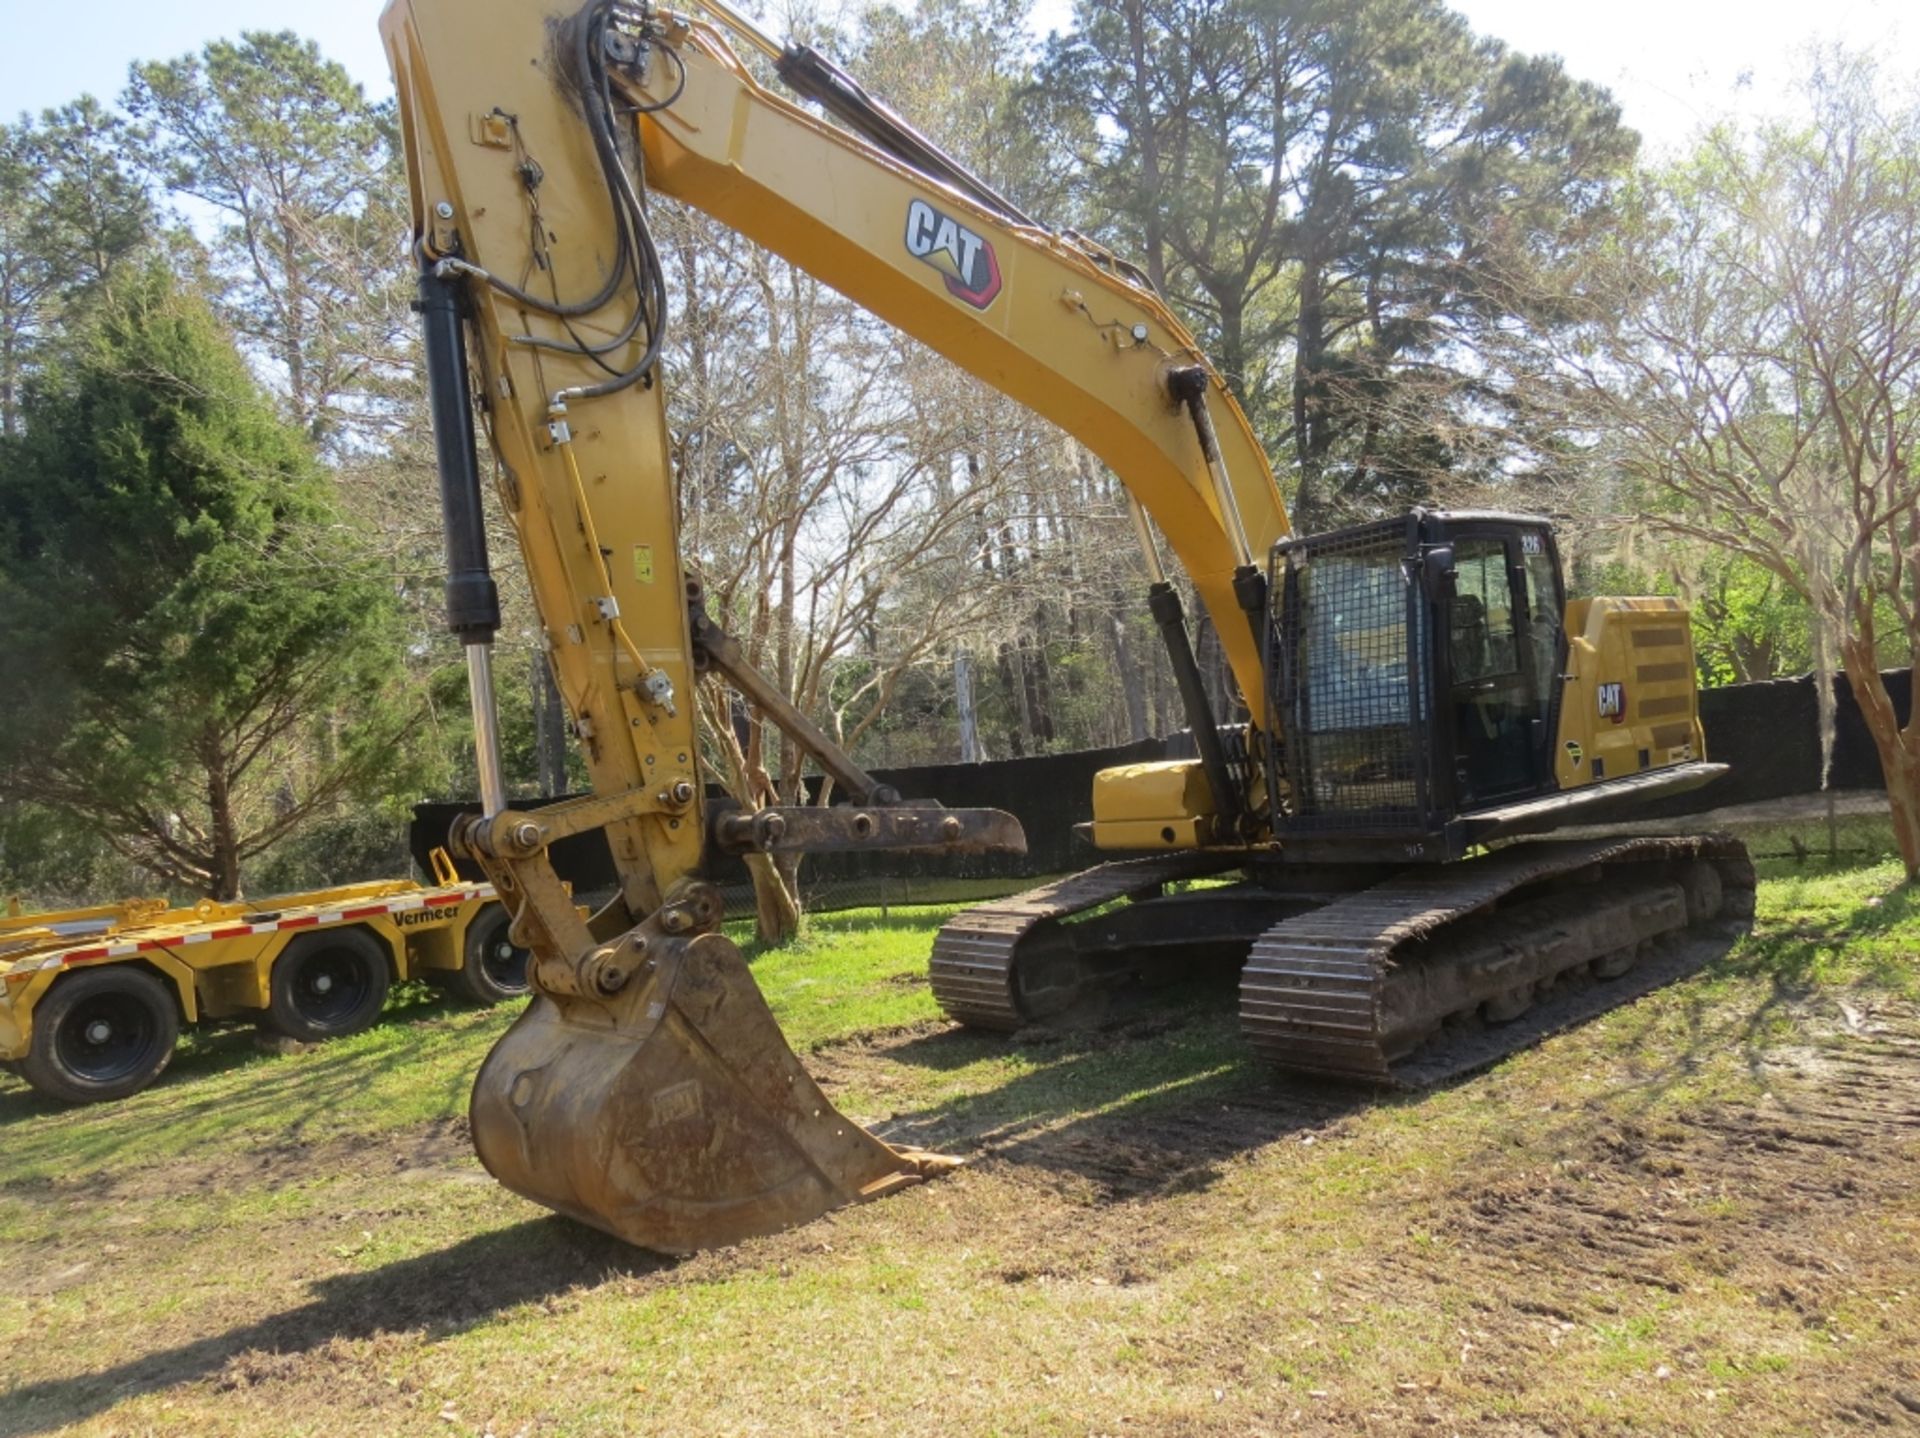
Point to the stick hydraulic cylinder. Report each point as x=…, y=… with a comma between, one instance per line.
x=473, y=600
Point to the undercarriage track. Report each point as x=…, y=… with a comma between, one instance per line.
x=974, y=971
x=1354, y=988
x=1360, y=984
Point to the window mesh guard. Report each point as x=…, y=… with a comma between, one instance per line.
x=1355, y=680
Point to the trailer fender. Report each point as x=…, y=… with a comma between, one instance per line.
x=179, y=977
x=21, y=999
x=430, y=937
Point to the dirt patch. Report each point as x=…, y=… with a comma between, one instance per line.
x=440, y=1147
x=1216, y=1108
x=1836, y=1128
x=1778, y=1200
x=1120, y=1157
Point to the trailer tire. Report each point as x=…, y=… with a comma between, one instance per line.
x=101, y=1034
x=493, y=969
x=328, y=984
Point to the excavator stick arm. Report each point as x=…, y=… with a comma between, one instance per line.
x=647, y=1088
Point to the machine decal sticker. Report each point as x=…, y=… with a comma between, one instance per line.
x=677, y=1101
x=1613, y=702
x=1574, y=752
x=965, y=260
x=423, y=916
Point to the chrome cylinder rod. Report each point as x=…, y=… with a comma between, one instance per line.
x=1190, y=386
x=1148, y=550
x=486, y=728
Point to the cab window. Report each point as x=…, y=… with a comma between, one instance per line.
x=1543, y=619
x=1481, y=627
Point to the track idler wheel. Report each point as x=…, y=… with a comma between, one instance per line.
x=1620, y=961
x=662, y=1104
x=1504, y=1008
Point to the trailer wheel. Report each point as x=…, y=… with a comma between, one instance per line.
x=328, y=984
x=100, y=1034
x=494, y=968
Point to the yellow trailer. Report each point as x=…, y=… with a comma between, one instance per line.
x=92, y=1000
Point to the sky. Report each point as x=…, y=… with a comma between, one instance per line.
x=1672, y=64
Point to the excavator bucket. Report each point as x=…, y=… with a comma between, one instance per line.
x=673, y=1114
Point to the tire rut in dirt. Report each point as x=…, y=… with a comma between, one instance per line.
x=1754, y=1195
x=1117, y=1159
x=1135, y=1145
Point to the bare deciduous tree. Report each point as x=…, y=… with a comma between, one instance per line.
x=817, y=528
x=1748, y=367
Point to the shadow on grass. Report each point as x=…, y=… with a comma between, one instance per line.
x=1179, y=1138
x=202, y=1054
x=1156, y=1101
x=440, y=1293
x=1757, y=995
x=225, y=1046
x=222, y=1081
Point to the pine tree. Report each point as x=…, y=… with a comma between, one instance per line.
x=198, y=660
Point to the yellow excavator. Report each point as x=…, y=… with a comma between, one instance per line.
x=1420, y=690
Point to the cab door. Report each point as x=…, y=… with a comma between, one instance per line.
x=1503, y=662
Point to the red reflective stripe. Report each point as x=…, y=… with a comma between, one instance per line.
x=241, y=931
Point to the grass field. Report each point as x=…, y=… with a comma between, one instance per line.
x=1698, y=1215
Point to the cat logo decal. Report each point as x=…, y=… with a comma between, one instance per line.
x=965, y=260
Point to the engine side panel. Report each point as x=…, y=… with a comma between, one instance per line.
x=1631, y=702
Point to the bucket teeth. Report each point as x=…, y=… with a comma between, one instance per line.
x=674, y=1115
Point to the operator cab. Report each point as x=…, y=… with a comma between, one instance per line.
x=1416, y=670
